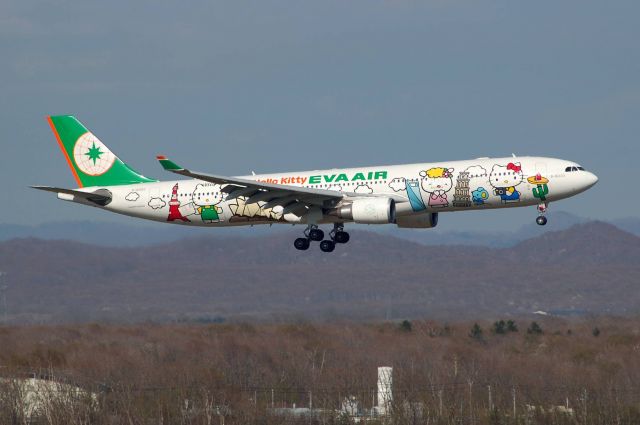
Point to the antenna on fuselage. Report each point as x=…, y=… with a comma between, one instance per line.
x=513, y=155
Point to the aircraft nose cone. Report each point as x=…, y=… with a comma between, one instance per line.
x=590, y=179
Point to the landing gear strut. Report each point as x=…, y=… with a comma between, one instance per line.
x=315, y=234
x=338, y=235
x=541, y=220
x=311, y=233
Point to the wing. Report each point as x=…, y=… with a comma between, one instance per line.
x=293, y=199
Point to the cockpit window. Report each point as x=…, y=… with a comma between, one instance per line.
x=568, y=169
x=581, y=168
x=573, y=168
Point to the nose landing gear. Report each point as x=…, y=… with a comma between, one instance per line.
x=541, y=220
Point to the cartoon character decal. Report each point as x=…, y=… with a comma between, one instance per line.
x=437, y=182
x=206, y=198
x=504, y=180
x=541, y=190
x=479, y=196
x=174, y=207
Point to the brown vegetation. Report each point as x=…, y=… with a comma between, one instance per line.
x=235, y=374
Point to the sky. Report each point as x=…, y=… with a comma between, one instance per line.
x=268, y=86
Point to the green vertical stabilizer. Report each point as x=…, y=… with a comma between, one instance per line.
x=90, y=160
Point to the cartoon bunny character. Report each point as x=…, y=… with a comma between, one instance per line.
x=504, y=180
x=437, y=182
x=206, y=199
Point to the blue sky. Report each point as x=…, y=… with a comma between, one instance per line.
x=229, y=87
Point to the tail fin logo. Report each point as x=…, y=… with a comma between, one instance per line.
x=91, y=155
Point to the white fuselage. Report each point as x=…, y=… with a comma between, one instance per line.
x=482, y=183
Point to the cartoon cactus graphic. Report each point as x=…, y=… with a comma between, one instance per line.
x=541, y=192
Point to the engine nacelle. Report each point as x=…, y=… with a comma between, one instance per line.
x=420, y=221
x=369, y=211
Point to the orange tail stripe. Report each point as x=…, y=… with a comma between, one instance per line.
x=64, y=151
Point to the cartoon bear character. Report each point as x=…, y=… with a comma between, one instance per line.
x=206, y=199
x=504, y=180
x=437, y=182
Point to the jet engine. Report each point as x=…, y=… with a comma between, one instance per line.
x=421, y=221
x=368, y=211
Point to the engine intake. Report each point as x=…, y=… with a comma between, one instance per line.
x=368, y=211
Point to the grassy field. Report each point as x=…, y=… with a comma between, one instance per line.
x=583, y=371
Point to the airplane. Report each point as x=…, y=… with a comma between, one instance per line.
x=409, y=196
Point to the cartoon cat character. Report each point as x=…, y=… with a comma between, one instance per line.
x=437, y=182
x=504, y=180
x=206, y=199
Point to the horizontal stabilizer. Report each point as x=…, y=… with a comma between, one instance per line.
x=99, y=197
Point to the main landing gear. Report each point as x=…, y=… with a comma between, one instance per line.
x=541, y=220
x=338, y=235
x=313, y=233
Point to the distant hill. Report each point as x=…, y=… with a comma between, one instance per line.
x=590, y=267
x=629, y=224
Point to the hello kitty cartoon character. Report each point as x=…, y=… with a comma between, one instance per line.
x=504, y=180
x=437, y=182
x=206, y=199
